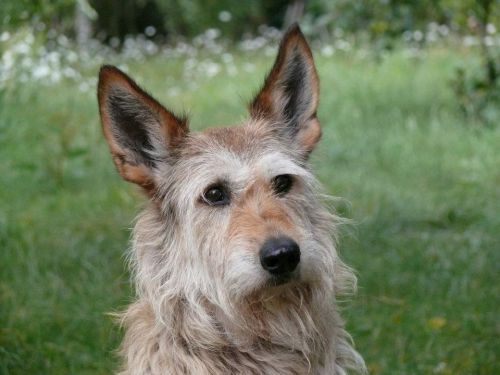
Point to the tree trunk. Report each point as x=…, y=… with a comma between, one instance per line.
x=83, y=25
x=294, y=12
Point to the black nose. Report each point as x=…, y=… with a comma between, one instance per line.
x=280, y=255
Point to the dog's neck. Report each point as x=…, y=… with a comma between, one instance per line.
x=215, y=339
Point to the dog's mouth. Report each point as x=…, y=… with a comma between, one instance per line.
x=278, y=292
x=279, y=280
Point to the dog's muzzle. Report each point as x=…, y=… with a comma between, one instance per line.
x=280, y=256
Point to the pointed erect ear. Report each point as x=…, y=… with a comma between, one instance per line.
x=139, y=130
x=289, y=97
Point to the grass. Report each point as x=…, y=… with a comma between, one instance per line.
x=421, y=184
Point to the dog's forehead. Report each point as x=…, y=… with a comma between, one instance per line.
x=247, y=141
x=238, y=152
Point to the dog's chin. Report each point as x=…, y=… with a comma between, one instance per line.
x=272, y=286
x=276, y=286
x=280, y=291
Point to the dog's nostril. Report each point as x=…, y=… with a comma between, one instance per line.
x=280, y=255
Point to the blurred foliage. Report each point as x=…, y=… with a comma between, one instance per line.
x=478, y=89
x=52, y=13
x=117, y=18
x=192, y=17
x=393, y=17
x=185, y=17
x=382, y=23
x=477, y=92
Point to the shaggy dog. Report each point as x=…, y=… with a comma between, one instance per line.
x=234, y=258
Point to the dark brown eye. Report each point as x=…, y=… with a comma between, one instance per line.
x=216, y=195
x=282, y=184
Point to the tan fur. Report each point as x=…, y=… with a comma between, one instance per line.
x=259, y=216
x=205, y=304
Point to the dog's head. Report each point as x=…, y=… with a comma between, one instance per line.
x=239, y=203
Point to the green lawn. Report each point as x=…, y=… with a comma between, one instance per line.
x=421, y=183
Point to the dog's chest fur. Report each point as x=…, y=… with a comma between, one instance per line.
x=186, y=349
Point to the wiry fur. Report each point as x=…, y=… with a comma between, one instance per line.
x=204, y=303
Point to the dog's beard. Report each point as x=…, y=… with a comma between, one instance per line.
x=286, y=315
x=277, y=294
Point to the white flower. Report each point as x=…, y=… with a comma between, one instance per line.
x=444, y=30
x=40, y=71
x=225, y=16
x=327, y=50
x=418, y=35
x=5, y=36
x=212, y=33
x=211, y=68
x=150, y=31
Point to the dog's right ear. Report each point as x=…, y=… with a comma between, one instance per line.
x=140, y=132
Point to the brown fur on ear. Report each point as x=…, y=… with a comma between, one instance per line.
x=290, y=92
x=140, y=132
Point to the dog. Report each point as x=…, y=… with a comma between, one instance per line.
x=234, y=258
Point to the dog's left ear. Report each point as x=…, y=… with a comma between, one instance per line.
x=289, y=97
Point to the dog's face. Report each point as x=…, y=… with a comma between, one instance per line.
x=241, y=199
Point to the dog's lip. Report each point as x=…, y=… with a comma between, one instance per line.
x=280, y=280
x=283, y=279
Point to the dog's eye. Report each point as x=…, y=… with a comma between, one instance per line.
x=282, y=184
x=215, y=195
